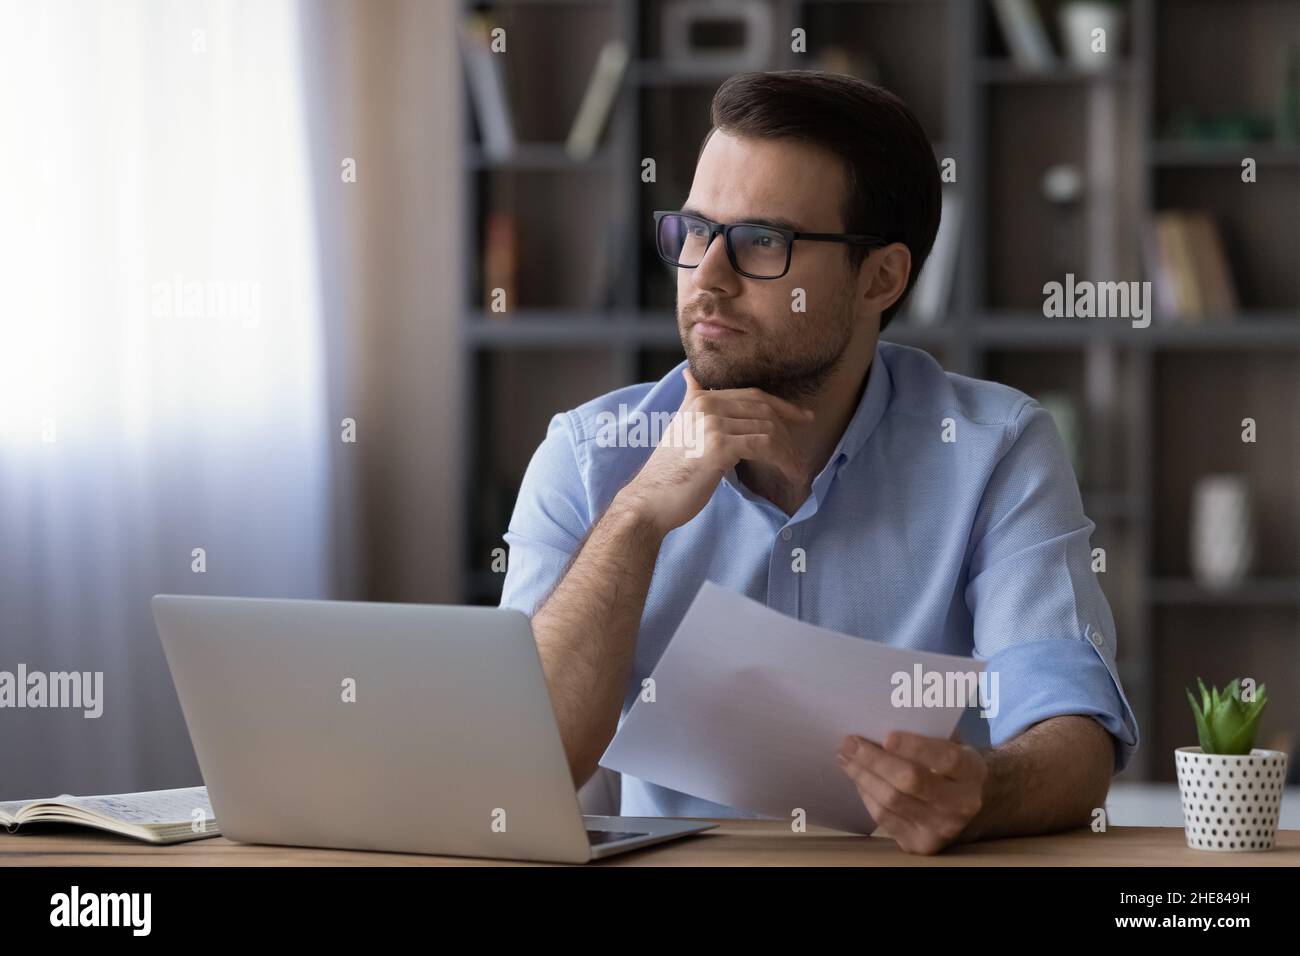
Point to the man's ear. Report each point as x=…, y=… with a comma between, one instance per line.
x=883, y=276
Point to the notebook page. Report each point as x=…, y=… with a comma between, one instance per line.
x=149, y=807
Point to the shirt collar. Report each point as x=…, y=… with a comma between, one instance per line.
x=871, y=408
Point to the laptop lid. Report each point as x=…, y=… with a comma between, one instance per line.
x=401, y=727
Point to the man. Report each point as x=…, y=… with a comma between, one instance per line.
x=934, y=511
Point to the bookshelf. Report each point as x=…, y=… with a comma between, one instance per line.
x=1157, y=405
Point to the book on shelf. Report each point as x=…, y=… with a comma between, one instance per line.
x=156, y=816
x=1214, y=274
x=500, y=262
x=1187, y=301
x=1025, y=35
x=487, y=87
x=1188, y=266
x=598, y=101
x=1155, y=252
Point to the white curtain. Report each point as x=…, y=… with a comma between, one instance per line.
x=161, y=357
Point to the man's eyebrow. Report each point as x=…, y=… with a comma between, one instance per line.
x=775, y=223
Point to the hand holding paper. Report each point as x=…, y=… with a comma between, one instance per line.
x=923, y=790
x=751, y=706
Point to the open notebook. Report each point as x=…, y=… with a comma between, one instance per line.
x=157, y=816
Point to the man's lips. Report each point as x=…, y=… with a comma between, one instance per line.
x=713, y=328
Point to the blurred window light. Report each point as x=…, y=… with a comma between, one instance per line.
x=156, y=234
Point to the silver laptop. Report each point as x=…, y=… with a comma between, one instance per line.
x=401, y=727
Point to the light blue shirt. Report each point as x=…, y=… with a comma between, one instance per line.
x=947, y=519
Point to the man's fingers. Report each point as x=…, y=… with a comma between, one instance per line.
x=746, y=426
x=769, y=448
x=788, y=409
x=899, y=829
x=693, y=389
x=747, y=403
x=745, y=414
x=883, y=798
x=904, y=775
x=944, y=757
x=711, y=403
x=917, y=825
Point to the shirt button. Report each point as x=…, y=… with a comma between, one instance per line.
x=1095, y=637
x=786, y=534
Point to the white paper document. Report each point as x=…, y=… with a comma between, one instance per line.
x=750, y=708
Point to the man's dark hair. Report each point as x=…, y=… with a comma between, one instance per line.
x=892, y=175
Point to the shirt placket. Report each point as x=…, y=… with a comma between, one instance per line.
x=784, y=588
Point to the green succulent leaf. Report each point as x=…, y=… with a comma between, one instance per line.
x=1240, y=740
x=1202, y=730
x=1226, y=724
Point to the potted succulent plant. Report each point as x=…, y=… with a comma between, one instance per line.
x=1231, y=790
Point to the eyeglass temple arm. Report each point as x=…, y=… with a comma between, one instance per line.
x=836, y=237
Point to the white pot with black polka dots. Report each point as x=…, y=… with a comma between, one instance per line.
x=1230, y=801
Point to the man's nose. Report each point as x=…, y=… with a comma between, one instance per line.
x=714, y=270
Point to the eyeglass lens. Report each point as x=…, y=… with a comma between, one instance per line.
x=758, y=251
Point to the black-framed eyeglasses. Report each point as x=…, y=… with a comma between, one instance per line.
x=755, y=251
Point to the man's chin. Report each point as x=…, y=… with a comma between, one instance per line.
x=714, y=371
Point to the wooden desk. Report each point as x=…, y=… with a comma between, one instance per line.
x=734, y=843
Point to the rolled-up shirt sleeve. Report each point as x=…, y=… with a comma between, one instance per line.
x=551, y=516
x=1041, y=622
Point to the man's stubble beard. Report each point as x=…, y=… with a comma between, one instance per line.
x=795, y=368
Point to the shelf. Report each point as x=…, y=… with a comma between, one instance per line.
x=538, y=157
x=1257, y=592
x=547, y=328
x=1193, y=153
x=862, y=3
x=559, y=328
x=994, y=70
x=543, y=3
x=1025, y=329
x=651, y=73
x=1251, y=330
x=1153, y=403
x=904, y=332
x=1258, y=329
